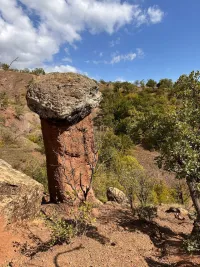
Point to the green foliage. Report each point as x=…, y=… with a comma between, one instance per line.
x=5, y=66
x=4, y=100
x=38, y=139
x=147, y=213
x=38, y=71
x=181, y=146
x=165, y=84
x=102, y=181
x=163, y=194
x=7, y=138
x=26, y=70
x=192, y=244
x=151, y=83
x=62, y=231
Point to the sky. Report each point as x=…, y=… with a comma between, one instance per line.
x=104, y=39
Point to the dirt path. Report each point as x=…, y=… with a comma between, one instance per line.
x=119, y=240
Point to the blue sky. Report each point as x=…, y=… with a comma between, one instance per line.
x=105, y=39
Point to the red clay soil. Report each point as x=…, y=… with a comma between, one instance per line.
x=116, y=240
x=8, y=252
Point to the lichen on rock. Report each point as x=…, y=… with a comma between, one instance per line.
x=66, y=96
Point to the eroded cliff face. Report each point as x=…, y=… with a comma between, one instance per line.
x=71, y=157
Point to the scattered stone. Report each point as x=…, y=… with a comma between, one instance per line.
x=116, y=195
x=20, y=196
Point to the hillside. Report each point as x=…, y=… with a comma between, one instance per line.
x=115, y=236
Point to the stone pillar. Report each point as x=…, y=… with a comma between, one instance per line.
x=64, y=103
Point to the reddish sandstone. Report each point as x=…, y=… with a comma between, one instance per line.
x=64, y=103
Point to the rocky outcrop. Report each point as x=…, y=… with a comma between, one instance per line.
x=64, y=103
x=20, y=196
x=116, y=195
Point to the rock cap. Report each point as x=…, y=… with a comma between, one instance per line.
x=63, y=96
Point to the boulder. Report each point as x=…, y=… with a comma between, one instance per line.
x=20, y=195
x=116, y=195
x=63, y=96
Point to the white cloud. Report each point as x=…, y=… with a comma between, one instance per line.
x=60, y=22
x=61, y=68
x=114, y=42
x=155, y=14
x=101, y=54
x=67, y=50
x=127, y=57
x=67, y=59
x=140, y=52
x=116, y=57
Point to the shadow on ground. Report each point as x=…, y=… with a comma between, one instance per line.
x=56, y=258
x=164, y=239
x=153, y=263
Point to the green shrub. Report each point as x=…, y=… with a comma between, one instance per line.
x=4, y=100
x=102, y=181
x=7, y=138
x=192, y=244
x=37, y=139
x=5, y=66
x=146, y=212
x=163, y=193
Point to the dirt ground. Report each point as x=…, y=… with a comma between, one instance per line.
x=116, y=240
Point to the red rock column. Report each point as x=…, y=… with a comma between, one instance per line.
x=70, y=156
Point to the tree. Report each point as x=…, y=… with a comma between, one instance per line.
x=142, y=84
x=151, y=83
x=165, y=84
x=180, y=150
x=134, y=180
x=6, y=67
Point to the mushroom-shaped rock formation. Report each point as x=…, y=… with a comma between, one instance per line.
x=64, y=103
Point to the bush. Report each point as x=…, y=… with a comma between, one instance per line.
x=7, y=138
x=163, y=193
x=146, y=212
x=37, y=139
x=38, y=71
x=134, y=180
x=4, y=101
x=5, y=66
x=192, y=244
x=102, y=181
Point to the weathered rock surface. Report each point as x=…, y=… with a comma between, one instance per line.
x=64, y=103
x=70, y=155
x=20, y=196
x=67, y=96
x=114, y=194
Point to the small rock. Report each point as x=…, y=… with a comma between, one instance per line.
x=116, y=195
